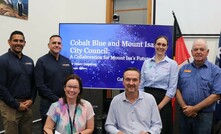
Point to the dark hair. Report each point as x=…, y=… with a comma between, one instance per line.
x=132, y=69
x=55, y=35
x=162, y=37
x=16, y=32
x=71, y=77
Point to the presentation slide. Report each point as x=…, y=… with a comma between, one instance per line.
x=101, y=52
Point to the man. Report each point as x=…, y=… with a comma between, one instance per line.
x=133, y=111
x=16, y=87
x=198, y=90
x=50, y=72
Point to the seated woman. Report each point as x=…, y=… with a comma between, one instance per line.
x=71, y=114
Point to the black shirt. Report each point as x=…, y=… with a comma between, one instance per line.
x=50, y=74
x=16, y=78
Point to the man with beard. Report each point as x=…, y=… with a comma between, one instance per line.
x=50, y=72
x=17, y=91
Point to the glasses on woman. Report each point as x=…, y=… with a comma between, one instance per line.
x=70, y=87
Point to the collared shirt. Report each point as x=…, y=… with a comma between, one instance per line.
x=197, y=83
x=142, y=115
x=162, y=75
x=16, y=78
x=50, y=74
x=59, y=114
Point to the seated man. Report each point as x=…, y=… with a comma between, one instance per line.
x=133, y=111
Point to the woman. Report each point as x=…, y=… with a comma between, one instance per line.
x=71, y=114
x=159, y=76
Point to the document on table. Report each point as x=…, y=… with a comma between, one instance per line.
x=56, y=132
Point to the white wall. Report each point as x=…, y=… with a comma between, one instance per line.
x=44, y=19
x=45, y=16
x=194, y=16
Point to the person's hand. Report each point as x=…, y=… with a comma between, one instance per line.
x=189, y=111
x=159, y=107
x=119, y=132
x=142, y=132
x=27, y=103
x=22, y=107
x=194, y=115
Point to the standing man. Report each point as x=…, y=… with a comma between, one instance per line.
x=50, y=72
x=16, y=87
x=198, y=90
x=133, y=111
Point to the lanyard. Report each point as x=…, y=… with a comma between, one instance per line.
x=72, y=123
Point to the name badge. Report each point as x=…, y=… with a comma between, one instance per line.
x=187, y=71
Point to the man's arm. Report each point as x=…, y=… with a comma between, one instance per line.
x=183, y=105
x=180, y=100
x=156, y=123
x=190, y=110
x=5, y=95
x=110, y=124
x=40, y=82
x=33, y=87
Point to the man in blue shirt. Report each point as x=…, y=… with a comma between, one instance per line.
x=133, y=111
x=198, y=90
x=17, y=92
x=50, y=72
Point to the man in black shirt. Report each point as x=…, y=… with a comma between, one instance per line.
x=17, y=91
x=50, y=72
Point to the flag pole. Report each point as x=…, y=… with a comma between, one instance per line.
x=177, y=34
x=174, y=35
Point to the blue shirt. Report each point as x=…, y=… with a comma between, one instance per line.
x=196, y=84
x=162, y=75
x=50, y=74
x=16, y=78
x=142, y=115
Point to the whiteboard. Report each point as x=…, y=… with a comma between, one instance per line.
x=194, y=16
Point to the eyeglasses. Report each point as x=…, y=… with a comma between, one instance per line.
x=70, y=87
